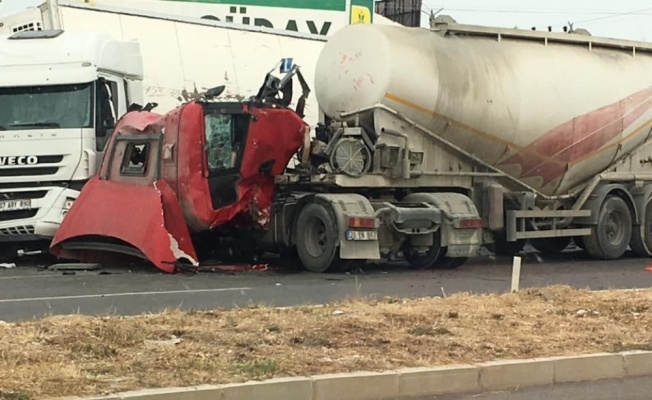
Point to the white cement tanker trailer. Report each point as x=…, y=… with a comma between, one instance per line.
x=547, y=133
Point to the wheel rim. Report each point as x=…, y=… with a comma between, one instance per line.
x=316, y=237
x=614, y=230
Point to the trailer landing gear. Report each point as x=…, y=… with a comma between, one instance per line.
x=551, y=246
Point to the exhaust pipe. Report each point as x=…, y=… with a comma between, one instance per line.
x=22, y=253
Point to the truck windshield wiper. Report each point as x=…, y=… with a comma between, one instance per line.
x=36, y=124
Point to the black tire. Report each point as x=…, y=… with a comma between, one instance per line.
x=641, y=242
x=317, y=239
x=551, y=246
x=610, y=238
x=501, y=247
x=450, y=263
x=425, y=261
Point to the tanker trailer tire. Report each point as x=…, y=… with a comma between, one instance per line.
x=425, y=261
x=450, y=263
x=435, y=258
x=610, y=238
x=641, y=242
x=551, y=246
x=502, y=248
x=317, y=239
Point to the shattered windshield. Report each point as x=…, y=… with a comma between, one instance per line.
x=40, y=107
x=221, y=154
x=225, y=139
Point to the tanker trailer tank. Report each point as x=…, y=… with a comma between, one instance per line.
x=550, y=113
x=547, y=132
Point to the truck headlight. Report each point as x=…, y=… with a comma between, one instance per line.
x=67, y=205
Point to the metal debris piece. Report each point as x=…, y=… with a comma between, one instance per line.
x=74, y=267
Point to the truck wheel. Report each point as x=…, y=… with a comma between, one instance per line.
x=641, y=243
x=502, y=248
x=317, y=239
x=450, y=263
x=551, y=245
x=610, y=237
x=424, y=261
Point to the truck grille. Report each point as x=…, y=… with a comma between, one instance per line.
x=28, y=171
x=11, y=215
x=29, y=195
x=42, y=169
x=17, y=230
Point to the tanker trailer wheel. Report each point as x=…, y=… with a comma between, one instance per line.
x=427, y=260
x=317, y=239
x=435, y=257
x=641, y=242
x=502, y=248
x=610, y=237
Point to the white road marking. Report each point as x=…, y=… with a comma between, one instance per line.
x=92, y=296
x=8, y=278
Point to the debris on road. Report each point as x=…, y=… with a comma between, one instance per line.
x=74, y=267
x=7, y=265
x=78, y=355
x=234, y=268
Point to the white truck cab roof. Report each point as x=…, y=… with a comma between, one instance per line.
x=49, y=57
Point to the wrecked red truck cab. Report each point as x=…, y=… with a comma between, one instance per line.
x=164, y=178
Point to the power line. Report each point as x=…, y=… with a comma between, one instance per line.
x=645, y=11
x=642, y=11
x=603, y=15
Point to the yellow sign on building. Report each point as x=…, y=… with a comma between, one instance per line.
x=362, y=11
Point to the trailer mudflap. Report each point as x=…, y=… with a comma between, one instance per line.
x=143, y=221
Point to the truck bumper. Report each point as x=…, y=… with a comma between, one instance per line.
x=40, y=219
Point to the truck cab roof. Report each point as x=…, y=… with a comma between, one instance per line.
x=67, y=57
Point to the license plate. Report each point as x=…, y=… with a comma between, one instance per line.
x=361, y=235
x=15, y=205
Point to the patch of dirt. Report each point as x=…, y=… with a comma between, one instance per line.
x=65, y=356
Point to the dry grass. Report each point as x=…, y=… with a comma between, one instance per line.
x=78, y=355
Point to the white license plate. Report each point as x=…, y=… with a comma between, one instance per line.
x=15, y=205
x=361, y=235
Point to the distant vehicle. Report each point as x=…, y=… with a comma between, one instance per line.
x=60, y=96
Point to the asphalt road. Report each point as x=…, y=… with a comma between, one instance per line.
x=630, y=389
x=26, y=292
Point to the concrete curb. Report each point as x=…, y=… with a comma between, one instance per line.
x=416, y=382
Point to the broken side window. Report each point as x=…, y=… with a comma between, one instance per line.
x=219, y=141
x=135, y=159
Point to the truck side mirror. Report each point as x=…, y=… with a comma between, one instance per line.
x=106, y=112
x=215, y=92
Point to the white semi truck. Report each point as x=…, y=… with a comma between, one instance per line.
x=60, y=95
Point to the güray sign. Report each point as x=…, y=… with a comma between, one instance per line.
x=320, y=17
